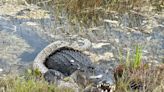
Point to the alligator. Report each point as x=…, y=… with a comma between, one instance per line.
x=69, y=59
x=62, y=59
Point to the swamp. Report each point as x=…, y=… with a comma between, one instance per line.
x=127, y=38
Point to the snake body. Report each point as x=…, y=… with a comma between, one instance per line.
x=52, y=48
x=61, y=59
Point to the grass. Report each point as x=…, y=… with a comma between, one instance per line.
x=150, y=78
x=135, y=60
x=30, y=82
x=81, y=15
x=137, y=57
x=92, y=12
x=133, y=71
x=87, y=12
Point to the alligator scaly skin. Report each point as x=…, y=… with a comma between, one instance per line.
x=51, y=48
x=67, y=60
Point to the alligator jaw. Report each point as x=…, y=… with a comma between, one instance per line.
x=104, y=86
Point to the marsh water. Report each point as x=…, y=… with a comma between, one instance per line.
x=22, y=38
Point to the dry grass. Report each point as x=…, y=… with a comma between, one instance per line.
x=150, y=77
x=91, y=13
x=146, y=79
x=88, y=11
x=138, y=76
x=131, y=76
x=28, y=83
x=86, y=6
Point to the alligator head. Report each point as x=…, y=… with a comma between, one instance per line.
x=97, y=75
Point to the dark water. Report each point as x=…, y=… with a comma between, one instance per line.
x=31, y=35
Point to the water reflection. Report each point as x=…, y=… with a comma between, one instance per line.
x=29, y=34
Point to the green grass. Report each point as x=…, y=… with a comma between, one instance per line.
x=137, y=57
x=30, y=82
x=151, y=77
x=133, y=60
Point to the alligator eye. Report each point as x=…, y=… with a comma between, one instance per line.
x=91, y=67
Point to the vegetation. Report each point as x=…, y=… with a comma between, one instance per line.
x=148, y=78
x=130, y=75
x=93, y=11
x=30, y=82
x=135, y=75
